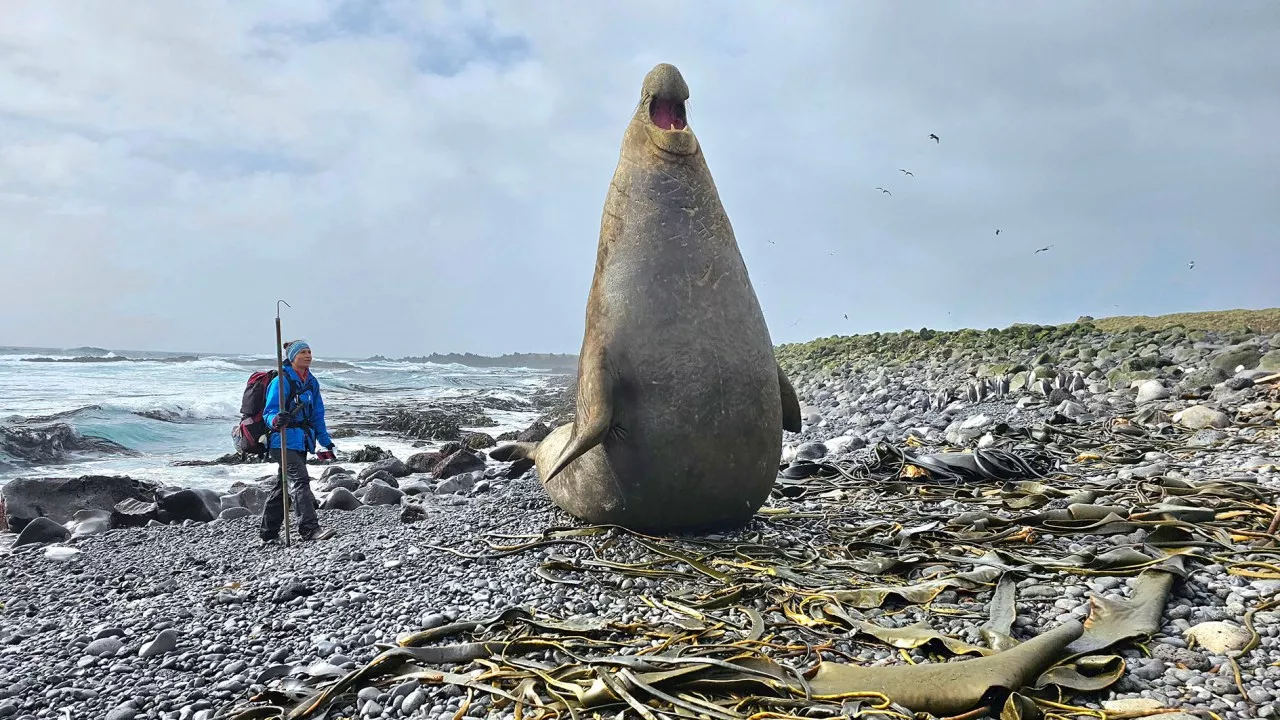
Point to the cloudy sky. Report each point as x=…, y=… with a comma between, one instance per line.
x=417, y=176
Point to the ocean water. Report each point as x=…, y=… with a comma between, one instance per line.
x=191, y=404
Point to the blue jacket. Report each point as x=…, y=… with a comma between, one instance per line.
x=306, y=408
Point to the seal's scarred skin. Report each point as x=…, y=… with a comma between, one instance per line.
x=681, y=404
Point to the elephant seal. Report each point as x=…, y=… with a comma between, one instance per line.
x=680, y=402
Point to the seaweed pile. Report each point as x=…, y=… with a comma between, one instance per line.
x=893, y=584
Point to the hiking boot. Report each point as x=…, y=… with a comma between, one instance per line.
x=316, y=533
x=270, y=538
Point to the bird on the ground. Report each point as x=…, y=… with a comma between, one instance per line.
x=934, y=138
x=907, y=172
x=1046, y=247
x=884, y=191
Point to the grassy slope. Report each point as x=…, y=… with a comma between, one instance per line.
x=1263, y=321
x=914, y=344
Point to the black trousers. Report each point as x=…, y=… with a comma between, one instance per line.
x=300, y=497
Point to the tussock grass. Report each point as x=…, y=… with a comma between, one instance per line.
x=1263, y=321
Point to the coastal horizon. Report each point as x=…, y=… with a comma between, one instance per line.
x=1267, y=315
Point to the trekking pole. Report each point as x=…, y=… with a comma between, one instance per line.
x=284, y=445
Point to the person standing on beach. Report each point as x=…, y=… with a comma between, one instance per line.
x=303, y=426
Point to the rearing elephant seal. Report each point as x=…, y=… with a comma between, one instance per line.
x=680, y=405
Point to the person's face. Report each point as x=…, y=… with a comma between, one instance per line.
x=303, y=360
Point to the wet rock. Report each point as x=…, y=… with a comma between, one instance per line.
x=54, y=443
x=341, y=482
x=392, y=465
x=536, y=432
x=89, y=522
x=379, y=493
x=252, y=498
x=197, y=504
x=423, y=462
x=341, y=499
x=462, y=461
x=60, y=499
x=41, y=531
x=478, y=441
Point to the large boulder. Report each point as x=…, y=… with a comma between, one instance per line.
x=479, y=441
x=1236, y=357
x=190, y=504
x=59, y=499
x=392, y=465
x=89, y=522
x=459, y=462
x=341, y=499
x=423, y=462
x=40, y=531
x=252, y=498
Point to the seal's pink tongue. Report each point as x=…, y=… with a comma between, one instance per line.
x=666, y=115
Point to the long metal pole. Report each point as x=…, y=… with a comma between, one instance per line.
x=284, y=445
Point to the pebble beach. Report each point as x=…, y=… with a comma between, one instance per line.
x=190, y=620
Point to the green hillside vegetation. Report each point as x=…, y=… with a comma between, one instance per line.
x=894, y=348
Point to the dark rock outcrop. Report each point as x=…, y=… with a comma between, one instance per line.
x=54, y=443
x=431, y=424
x=59, y=499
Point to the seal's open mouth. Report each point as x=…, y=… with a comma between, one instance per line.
x=667, y=114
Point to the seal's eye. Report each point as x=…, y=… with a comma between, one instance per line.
x=667, y=114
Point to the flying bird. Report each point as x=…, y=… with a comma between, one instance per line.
x=934, y=138
x=1191, y=265
x=846, y=316
x=997, y=231
x=884, y=191
x=907, y=172
x=1046, y=247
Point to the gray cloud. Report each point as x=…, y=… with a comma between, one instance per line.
x=417, y=177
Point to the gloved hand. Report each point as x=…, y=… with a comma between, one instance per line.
x=277, y=422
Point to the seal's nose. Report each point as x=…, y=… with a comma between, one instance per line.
x=665, y=82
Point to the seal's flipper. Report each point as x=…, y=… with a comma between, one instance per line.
x=790, y=404
x=513, y=451
x=594, y=411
